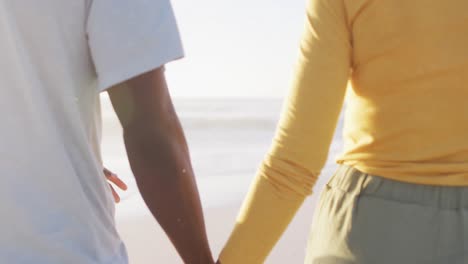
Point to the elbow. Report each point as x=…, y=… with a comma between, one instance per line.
x=146, y=140
x=288, y=178
x=150, y=132
x=150, y=146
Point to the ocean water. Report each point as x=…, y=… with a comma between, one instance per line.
x=228, y=139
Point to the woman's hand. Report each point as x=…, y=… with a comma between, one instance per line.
x=113, y=178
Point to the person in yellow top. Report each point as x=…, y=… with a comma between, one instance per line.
x=401, y=192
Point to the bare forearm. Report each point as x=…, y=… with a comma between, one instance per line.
x=160, y=161
x=165, y=178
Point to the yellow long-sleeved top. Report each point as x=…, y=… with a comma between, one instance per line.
x=406, y=112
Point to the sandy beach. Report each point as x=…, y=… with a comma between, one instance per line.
x=147, y=243
x=227, y=139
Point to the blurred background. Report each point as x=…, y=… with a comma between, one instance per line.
x=228, y=92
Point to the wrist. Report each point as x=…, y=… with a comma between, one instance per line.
x=203, y=258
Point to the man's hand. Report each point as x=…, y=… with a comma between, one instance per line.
x=160, y=160
x=113, y=178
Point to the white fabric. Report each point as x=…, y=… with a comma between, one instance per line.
x=55, y=58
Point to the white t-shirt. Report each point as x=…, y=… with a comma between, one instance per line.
x=56, y=56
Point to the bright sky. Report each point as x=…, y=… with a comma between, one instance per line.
x=236, y=47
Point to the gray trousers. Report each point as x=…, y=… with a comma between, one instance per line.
x=365, y=219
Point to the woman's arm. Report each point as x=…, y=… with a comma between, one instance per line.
x=303, y=138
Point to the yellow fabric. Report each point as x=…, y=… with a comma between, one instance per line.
x=406, y=112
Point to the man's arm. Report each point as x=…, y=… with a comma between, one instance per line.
x=159, y=158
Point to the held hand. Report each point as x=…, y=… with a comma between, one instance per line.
x=113, y=178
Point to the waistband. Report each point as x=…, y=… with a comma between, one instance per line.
x=355, y=182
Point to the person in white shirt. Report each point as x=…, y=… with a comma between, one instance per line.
x=56, y=57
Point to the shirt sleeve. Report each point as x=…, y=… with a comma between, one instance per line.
x=300, y=148
x=129, y=38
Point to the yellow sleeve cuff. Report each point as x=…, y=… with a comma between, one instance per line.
x=262, y=220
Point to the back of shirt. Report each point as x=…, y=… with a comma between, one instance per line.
x=406, y=116
x=56, y=56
